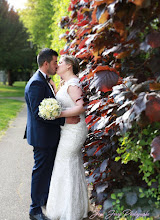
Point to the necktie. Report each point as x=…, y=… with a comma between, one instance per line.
x=48, y=78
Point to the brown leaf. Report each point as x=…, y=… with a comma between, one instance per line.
x=153, y=39
x=155, y=148
x=120, y=28
x=141, y=3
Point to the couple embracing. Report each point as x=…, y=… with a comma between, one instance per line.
x=58, y=179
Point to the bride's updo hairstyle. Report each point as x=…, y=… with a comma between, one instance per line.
x=73, y=61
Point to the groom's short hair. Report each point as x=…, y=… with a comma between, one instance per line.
x=46, y=54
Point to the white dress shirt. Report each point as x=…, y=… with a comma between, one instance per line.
x=45, y=75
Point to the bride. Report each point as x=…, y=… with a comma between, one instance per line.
x=68, y=197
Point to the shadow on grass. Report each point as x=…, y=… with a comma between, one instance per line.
x=17, y=90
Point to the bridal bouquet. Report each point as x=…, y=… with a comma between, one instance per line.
x=49, y=109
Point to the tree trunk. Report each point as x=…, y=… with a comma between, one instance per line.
x=10, y=81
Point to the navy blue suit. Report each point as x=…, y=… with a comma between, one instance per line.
x=44, y=136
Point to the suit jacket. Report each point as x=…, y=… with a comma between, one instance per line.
x=39, y=132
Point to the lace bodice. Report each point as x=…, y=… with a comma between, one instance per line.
x=63, y=96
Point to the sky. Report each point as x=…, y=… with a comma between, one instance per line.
x=17, y=4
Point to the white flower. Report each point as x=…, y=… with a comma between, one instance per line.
x=49, y=109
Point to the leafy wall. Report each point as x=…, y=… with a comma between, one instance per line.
x=118, y=44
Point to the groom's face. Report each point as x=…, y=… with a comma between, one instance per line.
x=52, y=66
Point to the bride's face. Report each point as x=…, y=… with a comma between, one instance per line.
x=62, y=67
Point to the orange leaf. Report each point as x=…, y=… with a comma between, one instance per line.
x=90, y=75
x=104, y=17
x=83, y=53
x=74, y=43
x=100, y=2
x=101, y=68
x=93, y=102
x=97, y=51
x=122, y=54
x=94, y=17
x=83, y=30
x=154, y=86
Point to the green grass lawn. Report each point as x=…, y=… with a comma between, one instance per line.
x=8, y=111
x=17, y=90
x=8, y=107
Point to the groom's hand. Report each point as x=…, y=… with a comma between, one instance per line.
x=73, y=120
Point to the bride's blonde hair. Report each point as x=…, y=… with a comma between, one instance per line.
x=69, y=59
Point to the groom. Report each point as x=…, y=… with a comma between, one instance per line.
x=43, y=135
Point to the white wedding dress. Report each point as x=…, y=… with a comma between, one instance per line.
x=68, y=197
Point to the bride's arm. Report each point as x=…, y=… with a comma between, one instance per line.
x=76, y=95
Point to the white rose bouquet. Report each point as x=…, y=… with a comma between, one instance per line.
x=49, y=109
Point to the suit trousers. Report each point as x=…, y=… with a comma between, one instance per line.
x=41, y=176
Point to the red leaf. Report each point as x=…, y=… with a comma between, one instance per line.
x=92, y=144
x=98, y=148
x=83, y=53
x=82, y=44
x=153, y=108
x=84, y=22
x=93, y=123
x=89, y=118
x=80, y=16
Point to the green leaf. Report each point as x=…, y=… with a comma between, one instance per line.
x=113, y=196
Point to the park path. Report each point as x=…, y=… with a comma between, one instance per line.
x=16, y=162
x=15, y=171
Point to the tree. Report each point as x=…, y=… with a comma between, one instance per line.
x=119, y=38
x=37, y=18
x=41, y=19
x=16, y=54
